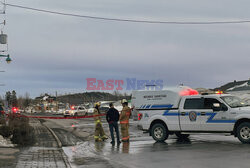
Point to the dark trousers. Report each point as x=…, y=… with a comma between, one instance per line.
x=112, y=126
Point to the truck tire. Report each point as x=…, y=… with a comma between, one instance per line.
x=243, y=132
x=182, y=136
x=159, y=132
x=75, y=114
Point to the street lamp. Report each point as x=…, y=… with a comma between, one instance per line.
x=8, y=59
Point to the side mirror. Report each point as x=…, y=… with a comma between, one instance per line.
x=216, y=107
x=219, y=107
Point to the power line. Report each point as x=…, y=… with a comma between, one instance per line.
x=129, y=20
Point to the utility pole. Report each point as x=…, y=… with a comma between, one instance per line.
x=56, y=103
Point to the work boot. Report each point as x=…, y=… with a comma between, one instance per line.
x=104, y=137
x=98, y=139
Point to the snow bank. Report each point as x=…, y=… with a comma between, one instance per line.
x=5, y=142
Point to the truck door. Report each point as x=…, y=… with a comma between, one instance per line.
x=216, y=120
x=190, y=114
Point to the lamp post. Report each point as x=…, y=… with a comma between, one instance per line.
x=8, y=59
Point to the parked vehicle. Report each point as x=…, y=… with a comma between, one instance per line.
x=90, y=111
x=75, y=111
x=182, y=111
x=118, y=105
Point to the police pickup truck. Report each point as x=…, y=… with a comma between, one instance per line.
x=183, y=111
x=75, y=111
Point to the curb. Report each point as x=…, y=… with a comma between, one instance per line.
x=59, y=145
x=54, y=135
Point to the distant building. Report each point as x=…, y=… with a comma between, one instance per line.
x=46, y=103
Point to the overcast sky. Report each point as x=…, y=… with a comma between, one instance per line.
x=57, y=53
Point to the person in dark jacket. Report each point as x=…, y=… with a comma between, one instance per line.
x=113, y=118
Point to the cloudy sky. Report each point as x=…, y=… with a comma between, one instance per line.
x=57, y=53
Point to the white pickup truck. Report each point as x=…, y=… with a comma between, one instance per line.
x=183, y=111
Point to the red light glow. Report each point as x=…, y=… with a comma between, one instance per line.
x=139, y=116
x=14, y=109
x=219, y=92
x=188, y=92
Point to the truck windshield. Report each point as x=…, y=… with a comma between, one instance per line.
x=234, y=101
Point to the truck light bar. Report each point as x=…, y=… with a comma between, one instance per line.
x=188, y=92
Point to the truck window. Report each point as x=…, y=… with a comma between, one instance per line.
x=195, y=103
x=208, y=103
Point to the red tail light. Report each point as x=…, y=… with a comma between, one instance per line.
x=139, y=116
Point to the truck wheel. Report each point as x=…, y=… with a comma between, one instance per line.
x=75, y=114
x=243, y=132
x=159, y=132
x=181, y=136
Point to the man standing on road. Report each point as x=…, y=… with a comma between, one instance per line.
x=99, y=132
x=112, y=118
x=124, y=120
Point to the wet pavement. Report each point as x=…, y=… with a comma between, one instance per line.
x=201, y=150
x=44, y=153
x=205, y=151
x=37, y=157
x=80, y=151
x=8, y=157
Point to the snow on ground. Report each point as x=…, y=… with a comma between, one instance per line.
x=5, y=143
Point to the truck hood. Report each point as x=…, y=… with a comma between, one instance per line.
x=242, y=109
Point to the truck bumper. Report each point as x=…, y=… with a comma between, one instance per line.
x=142, y=126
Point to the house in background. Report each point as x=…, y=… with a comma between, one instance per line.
x=46, y=103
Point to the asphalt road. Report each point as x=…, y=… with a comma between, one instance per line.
x=206, y=150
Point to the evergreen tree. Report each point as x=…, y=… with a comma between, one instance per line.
x=8, y=98
x=14, y=99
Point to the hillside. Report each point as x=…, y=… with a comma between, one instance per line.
x=235, y=86
x=80, y=98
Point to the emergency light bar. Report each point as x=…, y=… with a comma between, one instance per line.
x=219, y=92
x=188, y=92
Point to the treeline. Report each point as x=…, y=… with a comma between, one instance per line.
x=11, y=100
x=24, y=101
x=79, y=98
